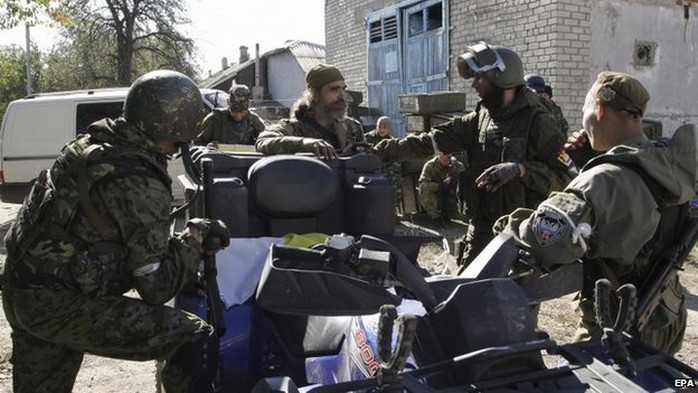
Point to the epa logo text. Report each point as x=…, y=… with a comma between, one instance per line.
x=684, y=383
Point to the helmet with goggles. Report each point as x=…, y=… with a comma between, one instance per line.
x=502, y=65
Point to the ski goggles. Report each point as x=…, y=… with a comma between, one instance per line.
x=478, y=59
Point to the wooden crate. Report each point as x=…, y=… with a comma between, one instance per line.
x=424, y=104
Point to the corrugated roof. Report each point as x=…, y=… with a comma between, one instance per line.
x=307, y=54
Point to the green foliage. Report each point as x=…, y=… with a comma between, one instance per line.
x=15, y=12
x=118, y=40
x=13, y=71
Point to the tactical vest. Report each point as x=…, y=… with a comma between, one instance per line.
x=500, y=141
x=41, y=250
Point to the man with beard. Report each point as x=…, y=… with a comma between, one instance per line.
x=514, y=147
x=318, y=123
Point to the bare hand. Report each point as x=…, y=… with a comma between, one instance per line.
x=320, y=147
x=577, y=140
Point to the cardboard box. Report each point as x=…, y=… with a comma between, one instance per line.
x=424, y=104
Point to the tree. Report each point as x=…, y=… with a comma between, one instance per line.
x=129, y=37
x=31, y=12
x=13, y=73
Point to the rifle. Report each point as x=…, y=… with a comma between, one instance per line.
x=663, y=271
x=213, y=297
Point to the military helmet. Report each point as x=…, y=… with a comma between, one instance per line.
x=535, y=82
x=502, y=65
x=238, y=98
x=165, y=105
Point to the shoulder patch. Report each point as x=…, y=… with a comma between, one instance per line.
x=564, y=158
x=549, y=226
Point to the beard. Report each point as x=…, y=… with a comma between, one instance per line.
x=336, y=110
x=493, y=99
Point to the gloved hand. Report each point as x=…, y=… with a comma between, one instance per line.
x=214, y=234
x=498, y=175
x=320, y=147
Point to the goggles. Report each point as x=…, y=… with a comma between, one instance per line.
x=478, y=59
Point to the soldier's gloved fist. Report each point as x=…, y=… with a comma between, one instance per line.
x=214, y=234
x=498, y=175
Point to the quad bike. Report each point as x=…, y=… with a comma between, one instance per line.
x=356, y=313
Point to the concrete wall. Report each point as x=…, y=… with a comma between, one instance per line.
x=286, y=79
x=672, y=76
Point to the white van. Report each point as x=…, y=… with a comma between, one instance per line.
x=35, y=128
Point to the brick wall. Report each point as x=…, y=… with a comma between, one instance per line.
x=552, y=36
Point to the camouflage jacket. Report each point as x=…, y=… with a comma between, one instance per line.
x=522, y=132
x=286, y=137
x=219, y=127
x=433, y=174
x=373, y=137
x=98, y=221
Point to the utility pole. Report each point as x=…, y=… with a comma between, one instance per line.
x=28, y=62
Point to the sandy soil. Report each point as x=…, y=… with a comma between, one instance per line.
x=102, y=375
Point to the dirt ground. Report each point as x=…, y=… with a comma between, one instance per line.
x=102, y=375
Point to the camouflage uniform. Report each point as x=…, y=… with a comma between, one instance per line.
x=521, y=132
x=94, y=228
x=392, y=171
x=611, y=198
x=286, y=136
x=219, y=127
x=440, y=200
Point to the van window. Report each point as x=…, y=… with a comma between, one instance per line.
x=89, y=113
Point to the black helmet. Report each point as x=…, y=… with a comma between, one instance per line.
x=165, y=105
x=535, y=82
x=238, y=98
x=502, y=65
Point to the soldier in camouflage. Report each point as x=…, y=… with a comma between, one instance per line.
x=609, y=215
x=514, y=148
x=319, y=123
x=96, y=225
x=235, y=124
x=537, y=84
x=393, y=172
x=438, y=186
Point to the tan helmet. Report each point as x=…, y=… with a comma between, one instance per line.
x=502, y=65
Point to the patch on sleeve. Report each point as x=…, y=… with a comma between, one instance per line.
x=564, y=158
x=549, y=226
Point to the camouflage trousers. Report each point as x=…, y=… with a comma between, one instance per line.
x=53, y=328
x=664, y=330
x=439, y=204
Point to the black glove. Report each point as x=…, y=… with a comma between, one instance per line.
x=214, y=233
x=497, y=175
